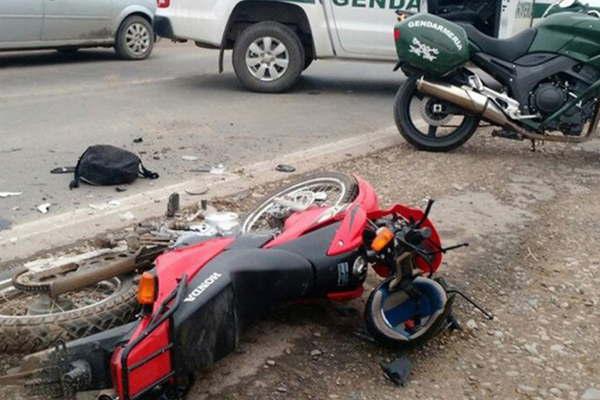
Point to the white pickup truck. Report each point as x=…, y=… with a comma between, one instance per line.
x=273, y=41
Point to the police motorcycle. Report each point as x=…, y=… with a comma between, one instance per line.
x=546, y=79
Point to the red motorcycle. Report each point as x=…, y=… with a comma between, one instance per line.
x=197, y=300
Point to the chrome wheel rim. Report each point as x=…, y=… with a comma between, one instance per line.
x=267, y=59
x=334, y=189
x=137, y=39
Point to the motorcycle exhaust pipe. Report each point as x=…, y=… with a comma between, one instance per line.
x=469, y=100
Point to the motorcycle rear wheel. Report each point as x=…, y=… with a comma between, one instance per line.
x=431, y=140
x=90, y=310
x=340, y=188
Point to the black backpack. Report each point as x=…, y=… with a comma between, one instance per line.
x=109, y=165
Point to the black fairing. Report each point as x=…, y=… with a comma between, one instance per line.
x=97, y=350
x=246, y=282
x=521, y=78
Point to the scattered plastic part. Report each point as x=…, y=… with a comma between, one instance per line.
x=217, y=169
x=4, y=224
x=190, y=158
x=197, y=192
x=44, y=208
x=398, y=370
x=285, y=168
x=63, y=170
x=120, y=189
x=105, y=206
x=138, y=140
x=173, y=205
x=9, y=194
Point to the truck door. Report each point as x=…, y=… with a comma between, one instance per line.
x=367, y=26
x=78, y=20
x=21, y=20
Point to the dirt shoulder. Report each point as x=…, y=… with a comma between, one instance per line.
x=534, y=260
x=531, y=219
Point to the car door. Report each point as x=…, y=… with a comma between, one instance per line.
x=77, y=20
x=366, y=27
x=21, y=21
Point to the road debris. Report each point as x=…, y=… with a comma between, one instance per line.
x=120, y=189
x=63, y=170
x=398, y=370
x=173, y=205
x=105, y=206
x=128, y=216
x=4, y=195
x=138, y=140
x=197, y=192
x=190, y=158
x=44, y=208
x=219, y=169
x=285, y=168
x=4, y=224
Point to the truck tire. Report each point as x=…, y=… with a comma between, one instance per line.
x=268, y=57
x=135, y=39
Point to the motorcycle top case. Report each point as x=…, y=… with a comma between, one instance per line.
x=431, y=44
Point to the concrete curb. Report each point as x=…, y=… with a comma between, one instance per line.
x=29, y=238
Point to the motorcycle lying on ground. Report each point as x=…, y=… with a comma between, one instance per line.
x=73, y=296
x=545, y=84
x=197, y=300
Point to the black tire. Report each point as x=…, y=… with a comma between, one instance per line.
x=31, y=333
x=295, y=54
x=68, y=50
x=379, y=334
x=124, y=49
x=350, y=184
x=407, y=128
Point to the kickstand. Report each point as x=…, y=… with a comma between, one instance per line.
x=488, y=314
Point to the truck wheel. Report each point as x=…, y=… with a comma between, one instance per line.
x=268, y=57
x=135, y=39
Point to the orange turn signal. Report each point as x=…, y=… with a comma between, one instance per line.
x=383, y=238
x=147, y=289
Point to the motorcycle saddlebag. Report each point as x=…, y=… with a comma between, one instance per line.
x=431, y=44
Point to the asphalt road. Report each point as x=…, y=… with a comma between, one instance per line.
x=53, y=106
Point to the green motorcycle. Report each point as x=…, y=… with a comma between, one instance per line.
x=543, y=83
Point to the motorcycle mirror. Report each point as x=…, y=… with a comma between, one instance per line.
x=426, y=212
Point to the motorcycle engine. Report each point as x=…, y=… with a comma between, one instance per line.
x=548, y=97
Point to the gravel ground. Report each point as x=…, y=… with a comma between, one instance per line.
x=531, y=220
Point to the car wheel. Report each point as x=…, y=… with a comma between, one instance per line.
x=268, y=57
x=135, y=39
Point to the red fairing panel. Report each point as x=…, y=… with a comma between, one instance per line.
x=297, y=225
x=367, y=198
x=349, y=235
x=169, y=268
x=416, y=214
x=189, y=261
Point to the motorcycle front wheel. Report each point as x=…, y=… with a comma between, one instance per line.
x=430, y=124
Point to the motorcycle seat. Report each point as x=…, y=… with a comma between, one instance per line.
x=508, y=49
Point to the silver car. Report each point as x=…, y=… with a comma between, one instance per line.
x=68, y=25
